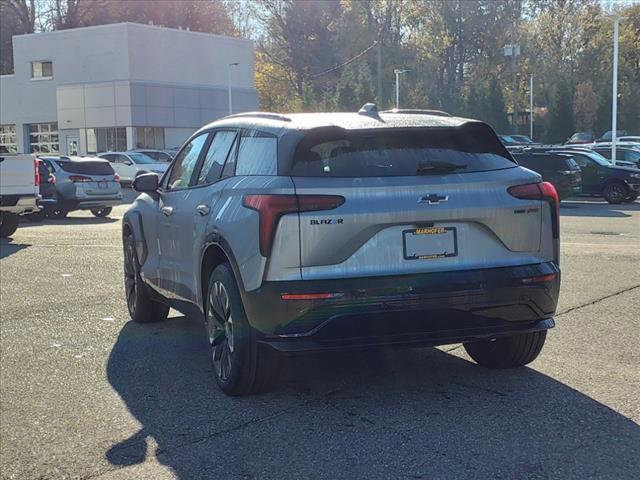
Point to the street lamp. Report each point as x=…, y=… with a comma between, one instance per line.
x=614, y=94
x=398, y=71
x=531, y=106
x=234, y=64
x=513, y=50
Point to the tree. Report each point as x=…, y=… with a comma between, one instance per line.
x=561, y=113
x=585, y=107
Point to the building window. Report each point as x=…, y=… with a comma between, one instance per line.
x=8, y=137
x=150, y=137
x=43, y=138
x=106, y=139
x=42, y=69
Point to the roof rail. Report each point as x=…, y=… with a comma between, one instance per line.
x=266, y=115
x=417, y=111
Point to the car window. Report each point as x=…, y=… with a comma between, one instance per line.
x=164, y=157
x=257, y=154
x=213, y=164
x=604, y=153
x=109, y=157
x=185, y=162
x=154, y=155
x=582, y=161
x=121, y=158
x=631, y=156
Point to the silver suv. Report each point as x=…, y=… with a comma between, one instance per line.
x=309, y=232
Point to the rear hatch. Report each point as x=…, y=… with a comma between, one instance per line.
x=415, y=200
x=92, y=178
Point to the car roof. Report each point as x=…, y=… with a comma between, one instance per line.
x=278, y=124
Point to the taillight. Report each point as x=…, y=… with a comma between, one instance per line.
x=51, y=179
x=272, y=207
x=544, y=191
x=36, y=166
x=80, y=179
x=116, y=178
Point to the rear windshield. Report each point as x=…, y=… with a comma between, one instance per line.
x=546, y=162
x=90, y=167
x=335, y=152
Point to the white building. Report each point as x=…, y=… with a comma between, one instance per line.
x=120, y=86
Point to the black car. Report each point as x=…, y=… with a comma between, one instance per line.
x=559, y=169
x=624, y=154
x=616, y=184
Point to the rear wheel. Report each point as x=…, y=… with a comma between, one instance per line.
x=615, y=193
x=507, y=352
x=8, y=224
x=142, y=308
x=101, y=212
x=58, y=212
x=241, y=365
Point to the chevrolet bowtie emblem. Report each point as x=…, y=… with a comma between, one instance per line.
x=433, y=198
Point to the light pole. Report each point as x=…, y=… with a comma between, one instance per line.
x=398, y=71
x=531, y=106
x=513, y=50
x=234, y=64
x=614, y=93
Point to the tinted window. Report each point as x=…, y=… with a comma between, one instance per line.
x=631, y=156
x=257, y=154
x=141, y=158
x=185, y=162
x=89, y=167
x=583, y=161
x=334, y=152
x=604, y=153
x=216, y=155
x=109, y=157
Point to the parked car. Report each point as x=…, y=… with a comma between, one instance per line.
x=83, y=184
x=559, y=169
x=509, y=141
x=19, y=190
x=580, y=137
x=310, y=232
x=523, y=139
x=629, y=139
x=590, y=148
x=599, y=177
x=128, y=165
x=47, y=190
x=159, y=155
x=607, y=136
x=629, y=155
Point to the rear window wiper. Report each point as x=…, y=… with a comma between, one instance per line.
x=432, y=168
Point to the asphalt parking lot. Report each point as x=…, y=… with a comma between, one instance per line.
x=87, y=394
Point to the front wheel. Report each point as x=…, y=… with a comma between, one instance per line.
x=241, y=365
x=615, y=193
x=101, y=212
x=507, y=352
x=8, y=224
x=142, y=308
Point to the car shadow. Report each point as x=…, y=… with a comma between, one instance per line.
x=582, y=208
x=69, y=221
x=418, y=413
x=8, y=248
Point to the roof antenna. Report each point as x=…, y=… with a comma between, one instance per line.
x=368, y=109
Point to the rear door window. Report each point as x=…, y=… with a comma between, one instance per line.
x=217, y=154
x=335, y=152
x=257, y=154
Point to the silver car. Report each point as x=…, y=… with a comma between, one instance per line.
x=82, y=183
x=128, y=165
x=313, y=232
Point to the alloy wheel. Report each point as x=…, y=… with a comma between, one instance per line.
x=130, y=277
x=220, y=330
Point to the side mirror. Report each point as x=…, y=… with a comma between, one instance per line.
x=146, y=183
x=128, y=162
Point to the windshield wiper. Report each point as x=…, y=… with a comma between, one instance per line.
x=432, y=168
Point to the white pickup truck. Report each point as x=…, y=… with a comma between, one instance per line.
x=19, y=190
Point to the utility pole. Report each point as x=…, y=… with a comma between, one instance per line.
x=234, y=64
x=531, y=106
x=379, y=73
x=614, y=90
x=397, y=72
x=513, y=50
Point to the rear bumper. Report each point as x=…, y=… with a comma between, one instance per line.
x=20, y=203
x=425, y=309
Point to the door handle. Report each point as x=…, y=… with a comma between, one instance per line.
x=203, y=209
x=167, y=211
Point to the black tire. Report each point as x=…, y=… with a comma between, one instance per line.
x=101, y=212
x=241, y=366
x=142, y=309
x=8, y=224
x=36, y=216
x=615, y=192
x=58, y=213
x=507, y=352
x=631, y=198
